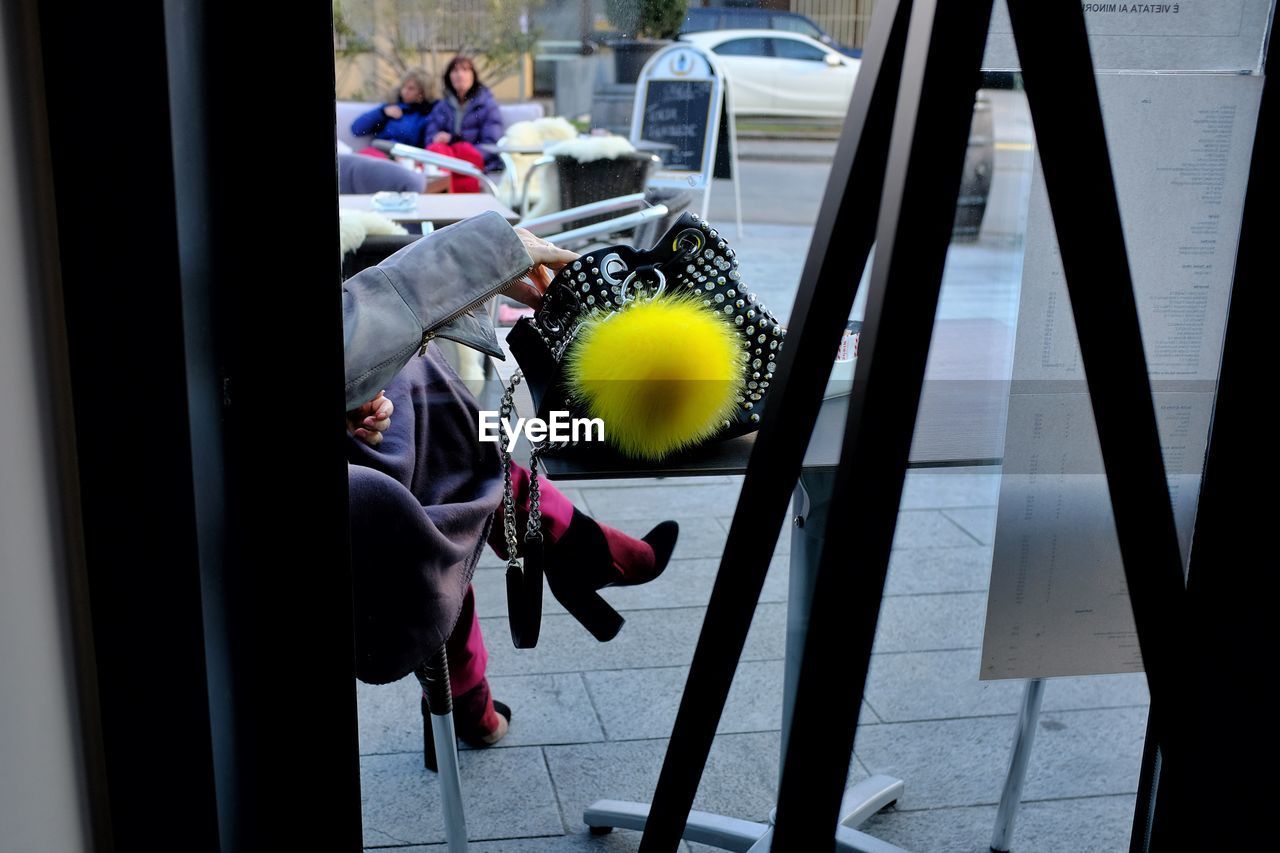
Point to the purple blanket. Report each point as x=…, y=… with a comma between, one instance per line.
x=421, y=505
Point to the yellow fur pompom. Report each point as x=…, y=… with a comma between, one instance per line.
x=662, y=374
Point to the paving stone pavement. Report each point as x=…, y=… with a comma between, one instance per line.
x=591, y=720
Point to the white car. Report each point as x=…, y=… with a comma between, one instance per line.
x=771, y=72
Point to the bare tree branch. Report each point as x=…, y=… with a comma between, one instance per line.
x=407, y=34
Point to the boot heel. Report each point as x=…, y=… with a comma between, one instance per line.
x=590, y=608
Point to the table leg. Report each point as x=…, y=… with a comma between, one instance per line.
x=434, y=677
x=809, y=504
x=1023, y=738
x=809, y=519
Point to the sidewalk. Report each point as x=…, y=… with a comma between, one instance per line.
x=786, y=150
x=591, y=720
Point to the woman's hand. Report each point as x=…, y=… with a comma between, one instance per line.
x=442, y=137
x=371, y=420
x=392, y=111
x=544, y=253
x=547, y=261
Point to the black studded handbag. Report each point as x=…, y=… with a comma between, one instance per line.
x=693, y=265
x=691, y=259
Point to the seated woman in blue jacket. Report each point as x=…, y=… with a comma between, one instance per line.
x=467, y=116
x=402, y=119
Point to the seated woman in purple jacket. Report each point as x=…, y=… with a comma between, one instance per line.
x=402, y=119
x=467, y=116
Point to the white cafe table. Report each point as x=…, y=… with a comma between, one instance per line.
x=440, y=209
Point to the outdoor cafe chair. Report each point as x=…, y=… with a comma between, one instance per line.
x=580, y=223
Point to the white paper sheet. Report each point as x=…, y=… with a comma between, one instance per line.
x=1190, y=35
x=1180, y=147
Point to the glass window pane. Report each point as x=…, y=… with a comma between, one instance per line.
x=740, y=21
x=743, y=47
x=1180, y=147
x=791, y=49
x=700, y=21
x=795, y=24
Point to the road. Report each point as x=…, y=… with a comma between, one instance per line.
x=780, y=201
x=783, y=180
x=773, y=191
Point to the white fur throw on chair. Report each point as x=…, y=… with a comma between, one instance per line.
x=588, y=149
x=355, y=225
x=532, y=134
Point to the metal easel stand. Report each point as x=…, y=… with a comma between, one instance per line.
x=731, y=128
x=433, y=675
x=940, y=65
x=1053, y=46
x=1023, y=738
x=727, y=833
x=736, y=180
x=862, y=800
x=938, y=69
x=731, y=124
x=838, y=254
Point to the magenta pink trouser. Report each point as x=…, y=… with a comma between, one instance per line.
x=465, y=646
x=465, y=649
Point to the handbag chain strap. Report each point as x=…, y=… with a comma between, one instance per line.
x=533, y=527
x=507, y=407
x=533, y=530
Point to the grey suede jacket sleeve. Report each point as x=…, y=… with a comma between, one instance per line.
x=434, y=287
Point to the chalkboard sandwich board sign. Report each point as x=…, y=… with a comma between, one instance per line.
x=676, y=112
x=679, y=99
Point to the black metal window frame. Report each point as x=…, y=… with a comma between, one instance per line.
x=212, y=601
x=212, y=591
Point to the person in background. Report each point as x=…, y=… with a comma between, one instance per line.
x=425, y=494
x=402, y=119
x=465, y=117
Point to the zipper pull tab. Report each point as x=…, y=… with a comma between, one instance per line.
x=426, y=339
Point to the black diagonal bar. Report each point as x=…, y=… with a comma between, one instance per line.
x=837, y=257
x=931, y=128
x=1233, y=527
x=1057, y=71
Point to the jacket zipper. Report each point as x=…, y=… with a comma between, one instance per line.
x=430, y=334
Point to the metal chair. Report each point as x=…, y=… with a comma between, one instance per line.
x=443, y=161
x=433, y=675
x=519, y=149
x=591, y=218
x=581, y=184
